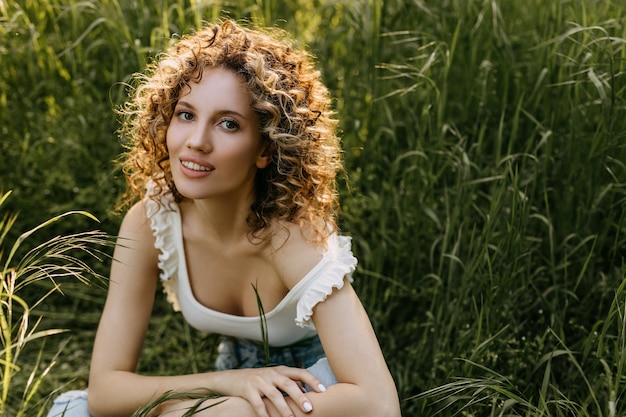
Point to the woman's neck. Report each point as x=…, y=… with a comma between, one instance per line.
x=222, y=221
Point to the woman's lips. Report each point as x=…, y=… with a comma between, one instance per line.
x=195, y=167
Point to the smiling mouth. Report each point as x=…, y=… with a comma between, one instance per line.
x=195, y=167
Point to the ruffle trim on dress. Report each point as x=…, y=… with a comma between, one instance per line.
x=339, y=263
x=162, y=225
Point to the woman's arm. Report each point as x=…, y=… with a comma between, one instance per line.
x=114, y=387
x=365, y=388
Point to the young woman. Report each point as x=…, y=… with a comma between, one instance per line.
x=232, y=159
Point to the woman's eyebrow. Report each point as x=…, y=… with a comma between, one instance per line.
x=223, y=112
x=232, y=112
x=185, y=104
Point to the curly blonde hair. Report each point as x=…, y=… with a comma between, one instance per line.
x=294, y=109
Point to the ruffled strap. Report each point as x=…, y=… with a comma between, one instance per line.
x=162, y=223
x=338, y=263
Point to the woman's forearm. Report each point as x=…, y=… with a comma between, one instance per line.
x=122, y=393
x=341, y=400
x=348, y=400
x=217, y=407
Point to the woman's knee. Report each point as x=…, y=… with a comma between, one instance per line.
x=322, y=371
x=70, y=404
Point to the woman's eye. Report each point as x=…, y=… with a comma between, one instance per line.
x=229, y=124
x=185, y=115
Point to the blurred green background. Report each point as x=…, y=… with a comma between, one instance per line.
x=485, y=190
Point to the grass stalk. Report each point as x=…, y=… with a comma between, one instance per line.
x=52, y=261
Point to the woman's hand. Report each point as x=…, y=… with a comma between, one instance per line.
x=272, y=384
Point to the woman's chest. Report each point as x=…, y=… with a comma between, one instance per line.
x=234, y=282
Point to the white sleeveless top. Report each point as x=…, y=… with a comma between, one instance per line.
x=287, y=323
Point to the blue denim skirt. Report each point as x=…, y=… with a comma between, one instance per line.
x=232, y=353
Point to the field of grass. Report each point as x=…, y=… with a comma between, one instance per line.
x=485, y=147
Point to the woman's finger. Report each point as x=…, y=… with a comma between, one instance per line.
x=303, y=376
x=256, y=401
x=293, y=389
x=270, y=387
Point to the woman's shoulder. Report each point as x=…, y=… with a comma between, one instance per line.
x=136, y=224
x=294, y=254
x=135, y=240
x=136, y=216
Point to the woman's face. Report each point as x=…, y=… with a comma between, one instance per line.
x=214, y=140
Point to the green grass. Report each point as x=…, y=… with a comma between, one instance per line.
x=485, y=146
x=21, y=331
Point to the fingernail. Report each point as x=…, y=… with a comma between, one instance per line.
x=321, y=387
x=307, y=407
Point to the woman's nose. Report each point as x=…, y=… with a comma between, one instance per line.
x=200, y=139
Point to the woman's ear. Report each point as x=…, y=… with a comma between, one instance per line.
x=265, y=157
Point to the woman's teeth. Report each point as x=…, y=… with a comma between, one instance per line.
x=194, y=166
